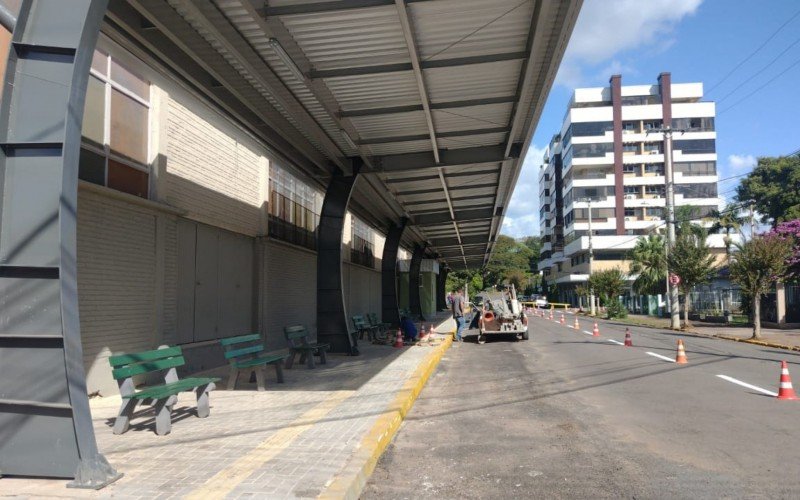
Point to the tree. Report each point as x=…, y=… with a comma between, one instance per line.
x=458, y=278
x=756, y=266
x=582, y=291
x=726, y=221
x=691, y=260
x=608, y=285
x=508, y=255
x=649, y=260
x=791, y=230
x=774, y=189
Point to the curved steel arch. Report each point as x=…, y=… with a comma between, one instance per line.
x=45, y=420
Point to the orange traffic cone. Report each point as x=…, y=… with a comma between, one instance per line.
x=577, y=326
x=398, y=342
x=786, y=391
x=431, y=332
x=681, y=357
x=595, y=331
x=563, y=322
x=628, y=342
x=551, y=314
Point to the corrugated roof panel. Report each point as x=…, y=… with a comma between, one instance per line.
x=349, y=38
x=394, y=124
x=400, y=147
x=416, y=185
x=473, y=117
x=472, y=141
x=386, y=89
x=494, y=79
x=447, y=29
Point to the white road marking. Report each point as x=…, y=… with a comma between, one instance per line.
x=661, y=357
x=617, y=342
x=587, y=333
x=749, y=386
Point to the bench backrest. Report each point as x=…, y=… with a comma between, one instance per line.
x=296, y=335
x=373, y=319
x=128, y=365
x=359, y=322
x=243, y=346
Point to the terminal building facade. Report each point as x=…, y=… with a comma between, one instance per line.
x=609, y=155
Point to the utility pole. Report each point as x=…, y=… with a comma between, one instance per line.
x=674, y=304
x=591, y=260
x=752, y=221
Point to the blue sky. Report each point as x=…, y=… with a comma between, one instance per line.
x=696, y=41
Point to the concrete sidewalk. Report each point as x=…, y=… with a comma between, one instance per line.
x=318, y=434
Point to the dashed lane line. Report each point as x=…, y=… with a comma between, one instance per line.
x=749, y=386
x=660, y=357
x=618, y=342
x=587, y=333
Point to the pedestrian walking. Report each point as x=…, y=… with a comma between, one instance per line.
x=458, y=312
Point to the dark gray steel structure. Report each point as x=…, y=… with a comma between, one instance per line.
x=431, y=129
x=389, y=300
x=414, y=299
x=45, y=422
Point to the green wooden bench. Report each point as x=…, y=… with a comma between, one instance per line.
x=246, y=352
x=163, y=397
x=382, y=327
x=362, y=327
x=298, y=339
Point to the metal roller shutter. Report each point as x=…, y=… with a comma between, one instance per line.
x=291, y=291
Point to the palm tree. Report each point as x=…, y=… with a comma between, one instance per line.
x=727, y=221
x=649, y=260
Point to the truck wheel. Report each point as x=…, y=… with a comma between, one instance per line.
x=519, y=336
x=525, y=335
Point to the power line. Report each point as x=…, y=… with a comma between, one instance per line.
x=759, y=72
x=774, y=33
x=761, y=87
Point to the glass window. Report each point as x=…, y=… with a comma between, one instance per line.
x=631, y=189
x=696, y=168
x=630, y=212
x=630, y=148
x=694, y=146
x=293, y=208
x=706, y=190
x=654, y=168
x=116, y=125
x=590, y=128
x=656, y=190
x=591, y=150
x=629, y=168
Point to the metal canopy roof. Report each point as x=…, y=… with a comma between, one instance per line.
x=438, y=98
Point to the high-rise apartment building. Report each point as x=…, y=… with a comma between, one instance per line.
x=609, y=155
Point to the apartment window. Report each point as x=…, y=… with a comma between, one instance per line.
x=631, y=189
x=630, y=126
x=547, y=192
x=657, y=190
x=635, y=100
x=708, y=190
x=590, y=128
x=591, y=150
x=293, y=209
x=628, y=168
x=653, y=148
x=700, y=124
x=696, y=168
x=116, y=128
x=695, y=146
x=652, y=124
x=630, y=148
x=630, y=212
x=654, y=211
x=654, y=168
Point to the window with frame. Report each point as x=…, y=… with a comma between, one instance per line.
x=654, y=168
x=362, y=248
x=116, y=128
x=630, y=189
x=629, y=168
x=293, y=209
x=657, y=190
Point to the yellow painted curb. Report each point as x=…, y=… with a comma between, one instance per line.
x=350, y=484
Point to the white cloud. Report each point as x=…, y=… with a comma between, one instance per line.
x=607, y=28
x=741, y=163
x=522, y=214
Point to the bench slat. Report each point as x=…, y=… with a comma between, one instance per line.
x=138, y=357
x=266, y=360
x=295, y=332
x=311, y=347
x=166, y=390
x=148, y=366
x=235, y=353
x=241, y=338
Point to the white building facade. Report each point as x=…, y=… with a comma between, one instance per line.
x=609, y=155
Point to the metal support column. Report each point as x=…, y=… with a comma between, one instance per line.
x=45, y=421
x=332, y=324
x=390, y=310
x=441, y=289
x=414, y=299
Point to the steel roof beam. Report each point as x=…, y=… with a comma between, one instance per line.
x=448, y=157
x=441, y=135
x=399, y=67
x=438, y=190
x=459, y=216
x=329, y=6
x=453, y=242
x=455, y=198
x=447, y=176
x=434, y=105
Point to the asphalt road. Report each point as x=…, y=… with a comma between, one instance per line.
x=568, y=415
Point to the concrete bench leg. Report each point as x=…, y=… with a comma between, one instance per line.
x=279, y=372
x=310, y=359
x=203, y=408
x=123, y=420
x=323, y=357
x=232, y=378
x=259, y=371
x=290, y=360
x=163, y=417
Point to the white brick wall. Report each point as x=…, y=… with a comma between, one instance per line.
x=212, y=172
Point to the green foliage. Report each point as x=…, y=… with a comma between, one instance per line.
x=774, y=188
x=649, y=260
x=510, y=262
x=616, y=309
x=756, y=266
x=582, y=290
x=459, y=278
x=608, y=284
x=692, y=261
